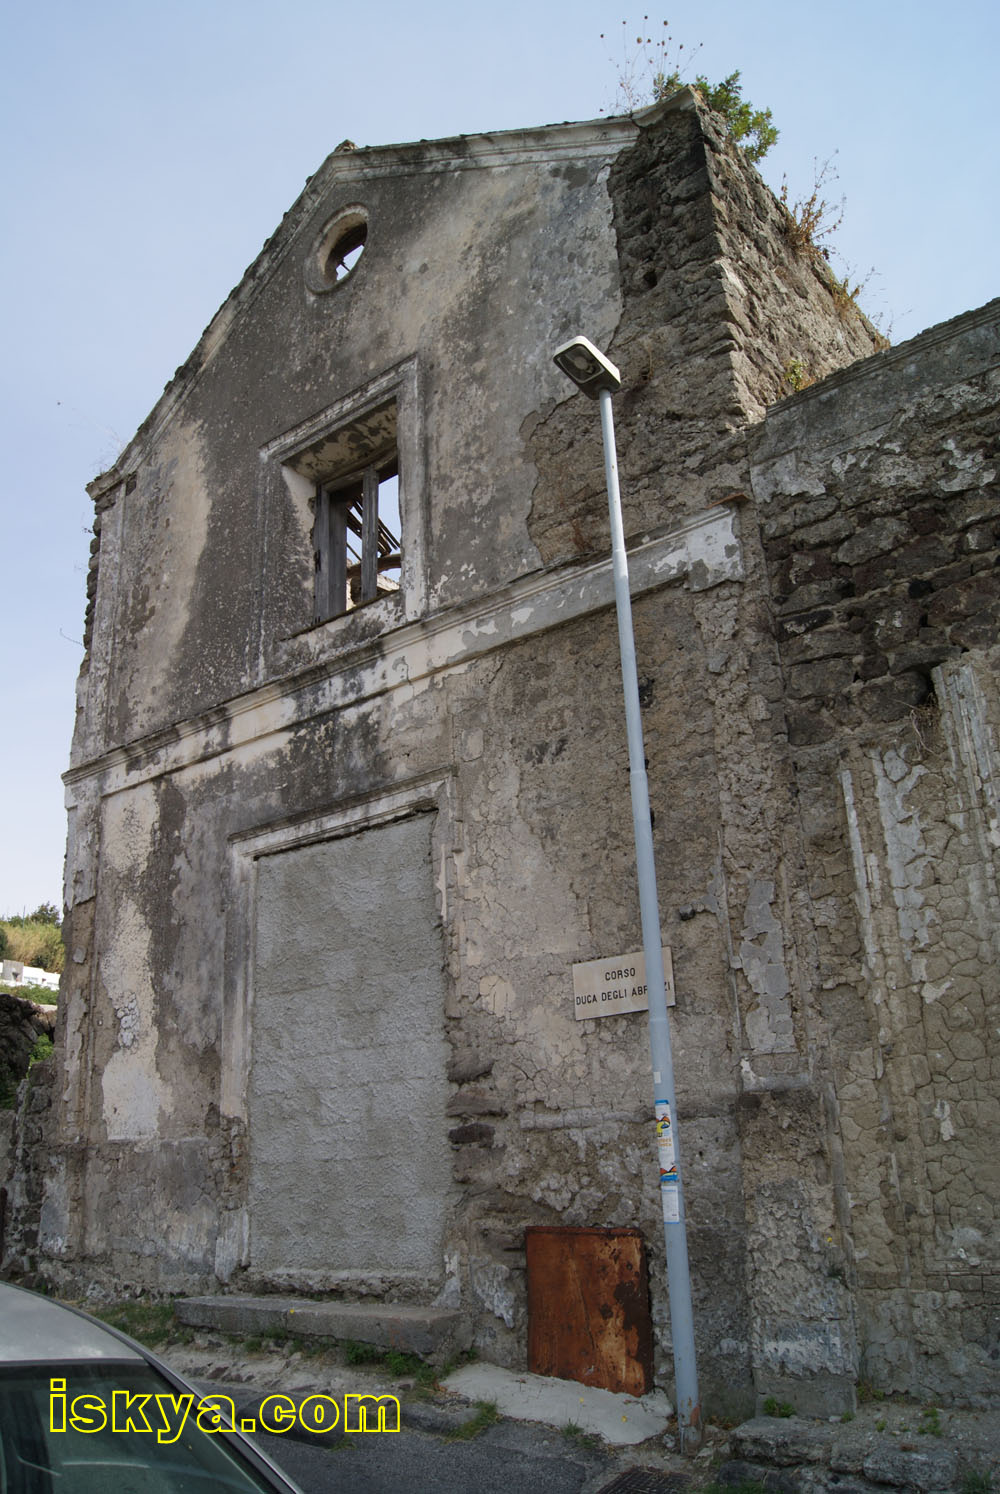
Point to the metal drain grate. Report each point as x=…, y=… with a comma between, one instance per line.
x=647, y=1481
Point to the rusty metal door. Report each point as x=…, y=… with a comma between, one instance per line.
x=588, y=1307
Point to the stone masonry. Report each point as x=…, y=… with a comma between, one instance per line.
x=878, y=503
x=327, y=879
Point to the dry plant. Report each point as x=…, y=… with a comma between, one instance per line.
x=810, y=219
x=648, y=69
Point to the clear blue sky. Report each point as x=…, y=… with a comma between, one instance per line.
x=149, y=150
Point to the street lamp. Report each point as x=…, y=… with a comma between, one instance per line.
x=592, y=372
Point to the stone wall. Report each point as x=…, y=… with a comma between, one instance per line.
x=717, y=301
x=22, y=1022
x=799, y=811
x=22, y=1196
x=879, y=497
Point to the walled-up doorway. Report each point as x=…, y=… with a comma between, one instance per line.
x=349, y=1159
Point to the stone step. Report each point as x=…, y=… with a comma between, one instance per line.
x=434, y=1333
x=873, y=1458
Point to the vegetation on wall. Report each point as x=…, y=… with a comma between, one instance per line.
x=812, y=219
x=752, y=129
x=9, y=1083
x=652, y=68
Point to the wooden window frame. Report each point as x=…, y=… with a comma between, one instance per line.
x=347, y=575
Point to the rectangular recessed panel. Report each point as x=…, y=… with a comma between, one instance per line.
x=588, y=1307
x=350, y=1166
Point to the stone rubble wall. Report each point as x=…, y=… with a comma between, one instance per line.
x=716, y=302
x=879, y=497
x=22, y=1022
x=28, y=1162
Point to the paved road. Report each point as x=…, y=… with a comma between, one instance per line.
x=508, y=1458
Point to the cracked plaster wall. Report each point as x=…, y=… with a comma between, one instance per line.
x=512, y=700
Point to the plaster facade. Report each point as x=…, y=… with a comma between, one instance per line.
x=326, y=883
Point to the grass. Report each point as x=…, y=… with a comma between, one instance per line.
x=152, y=1323
x=929, y=1424
x=399, y=1364
x=574, y=1433
x=774, y=1407
x=810, y=219
x=975, y=1481
x=358, y=1353
x=43, y=1049
x=394, y=1361
x=486, y=1415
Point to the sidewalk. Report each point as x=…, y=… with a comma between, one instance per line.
x=486, y=1427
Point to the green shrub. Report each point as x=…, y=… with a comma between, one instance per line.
x=751, y=128
x=34, y=941
x=41, y=994
x=42, y=1050
x=651, y=70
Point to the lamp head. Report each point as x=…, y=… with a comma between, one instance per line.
x=587, y=367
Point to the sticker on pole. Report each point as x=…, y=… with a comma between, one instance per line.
x=670, y=1196
x=616, y=985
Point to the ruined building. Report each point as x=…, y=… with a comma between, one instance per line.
x=349, y=793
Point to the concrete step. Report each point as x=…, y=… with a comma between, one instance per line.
x=435, y=1333
x=873, y=1457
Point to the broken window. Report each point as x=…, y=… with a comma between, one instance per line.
x=356, y=538
x=345, y=253
x=337, y=250
x=355, y=507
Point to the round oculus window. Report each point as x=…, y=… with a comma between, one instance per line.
x=337, y=251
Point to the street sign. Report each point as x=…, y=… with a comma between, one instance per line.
x=612, y=986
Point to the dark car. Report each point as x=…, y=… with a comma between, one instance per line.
x=84, y=1408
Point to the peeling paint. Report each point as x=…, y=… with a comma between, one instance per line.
x=825, y=824
x=761, y=955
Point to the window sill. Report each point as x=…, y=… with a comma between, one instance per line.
x=354, y=629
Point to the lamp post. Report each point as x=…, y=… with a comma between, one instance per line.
x=599, y=378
